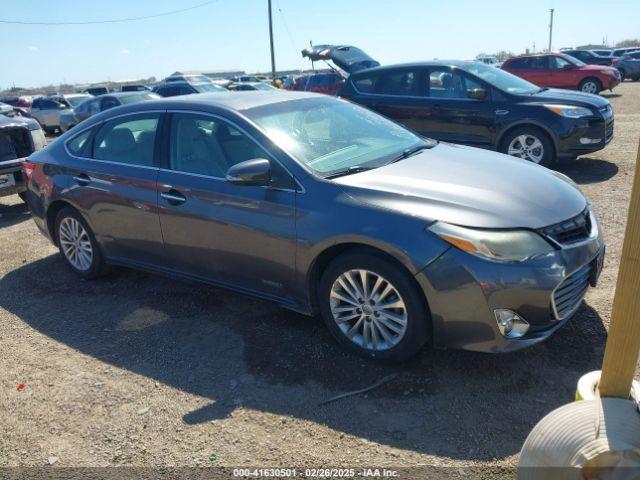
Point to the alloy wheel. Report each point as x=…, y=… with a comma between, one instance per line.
x=368, y=309
x=590, y=87
x=528, y=147
x=75, y=243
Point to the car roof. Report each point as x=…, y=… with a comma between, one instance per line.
x=121, y=94
x=234, y=101
x=431, y=63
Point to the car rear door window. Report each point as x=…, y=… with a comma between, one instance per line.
x=520, y=63
x=398, y=82
x=539, y=63
x=127, y=140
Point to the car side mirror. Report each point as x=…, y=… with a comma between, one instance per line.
x=255, y=172
x=477, y=93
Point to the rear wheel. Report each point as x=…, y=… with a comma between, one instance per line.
x=373, y=307
x=78, y=244
x=590, y=85
x=529, y=143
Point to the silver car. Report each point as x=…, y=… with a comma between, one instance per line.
x=47, y=110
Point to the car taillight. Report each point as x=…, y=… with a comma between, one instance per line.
x=27, y=170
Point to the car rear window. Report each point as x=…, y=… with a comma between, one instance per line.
x=78, y=143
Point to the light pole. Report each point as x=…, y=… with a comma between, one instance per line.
x=273, y=57
x=550, y=28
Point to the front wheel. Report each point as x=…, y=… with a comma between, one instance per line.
x=77, y=244
x=373, y=307
x=529, y=143
x=590, y=85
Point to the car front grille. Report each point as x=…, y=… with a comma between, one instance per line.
x=608, y=130
x=570, y=231
x=567, y=296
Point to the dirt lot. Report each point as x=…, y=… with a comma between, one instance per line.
x=136, y=369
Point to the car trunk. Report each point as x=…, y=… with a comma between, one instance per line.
x=346, y=57
x=15, y=142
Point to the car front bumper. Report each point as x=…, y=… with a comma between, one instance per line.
x=583, y=136
x=463, y=291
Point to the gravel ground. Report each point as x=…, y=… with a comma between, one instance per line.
x=137, y=369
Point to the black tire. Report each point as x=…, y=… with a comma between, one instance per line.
x=48, y=131
x=23, y=196
x=590, y=80
x=623, y=75
x=549, y=151
x=418, y=320
x=97, y=265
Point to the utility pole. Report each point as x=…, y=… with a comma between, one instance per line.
x=273, y=57
x=550, y=28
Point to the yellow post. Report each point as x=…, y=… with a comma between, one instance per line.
x=623, y=344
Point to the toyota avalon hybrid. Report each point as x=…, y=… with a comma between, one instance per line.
x=326, y=208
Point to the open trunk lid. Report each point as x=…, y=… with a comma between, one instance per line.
x=348, y=58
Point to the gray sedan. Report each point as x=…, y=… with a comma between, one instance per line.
x=326, y=208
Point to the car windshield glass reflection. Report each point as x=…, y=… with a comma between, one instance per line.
x=501, y=79
x=331, y=137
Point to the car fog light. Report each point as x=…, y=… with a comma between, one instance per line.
x=510, y=324
x=588, y=141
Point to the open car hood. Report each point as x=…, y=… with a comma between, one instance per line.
x=348, y=58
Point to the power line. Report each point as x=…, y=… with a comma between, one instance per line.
x=117, y=20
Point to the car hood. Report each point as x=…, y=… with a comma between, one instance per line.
x=470, y=187
x=556, y=95
x=348, y=58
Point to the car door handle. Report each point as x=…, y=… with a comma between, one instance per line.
x=173, y=197
x=82, y=179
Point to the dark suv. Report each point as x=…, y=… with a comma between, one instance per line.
x=482, y=106
x=589, y=57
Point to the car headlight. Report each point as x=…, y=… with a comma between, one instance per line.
x=501, y=245
x=570, y=111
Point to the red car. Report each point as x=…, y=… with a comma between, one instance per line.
x=327, y=83
x=557, y=70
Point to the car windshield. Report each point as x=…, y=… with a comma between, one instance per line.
x=208, y=87
x=138, y=98
x=75, y=101
x=573, y=60
x=501, y=79
x=332, y=136
x=264, y=86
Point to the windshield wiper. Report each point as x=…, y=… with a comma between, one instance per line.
x=348, y=171
x=406, y=153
